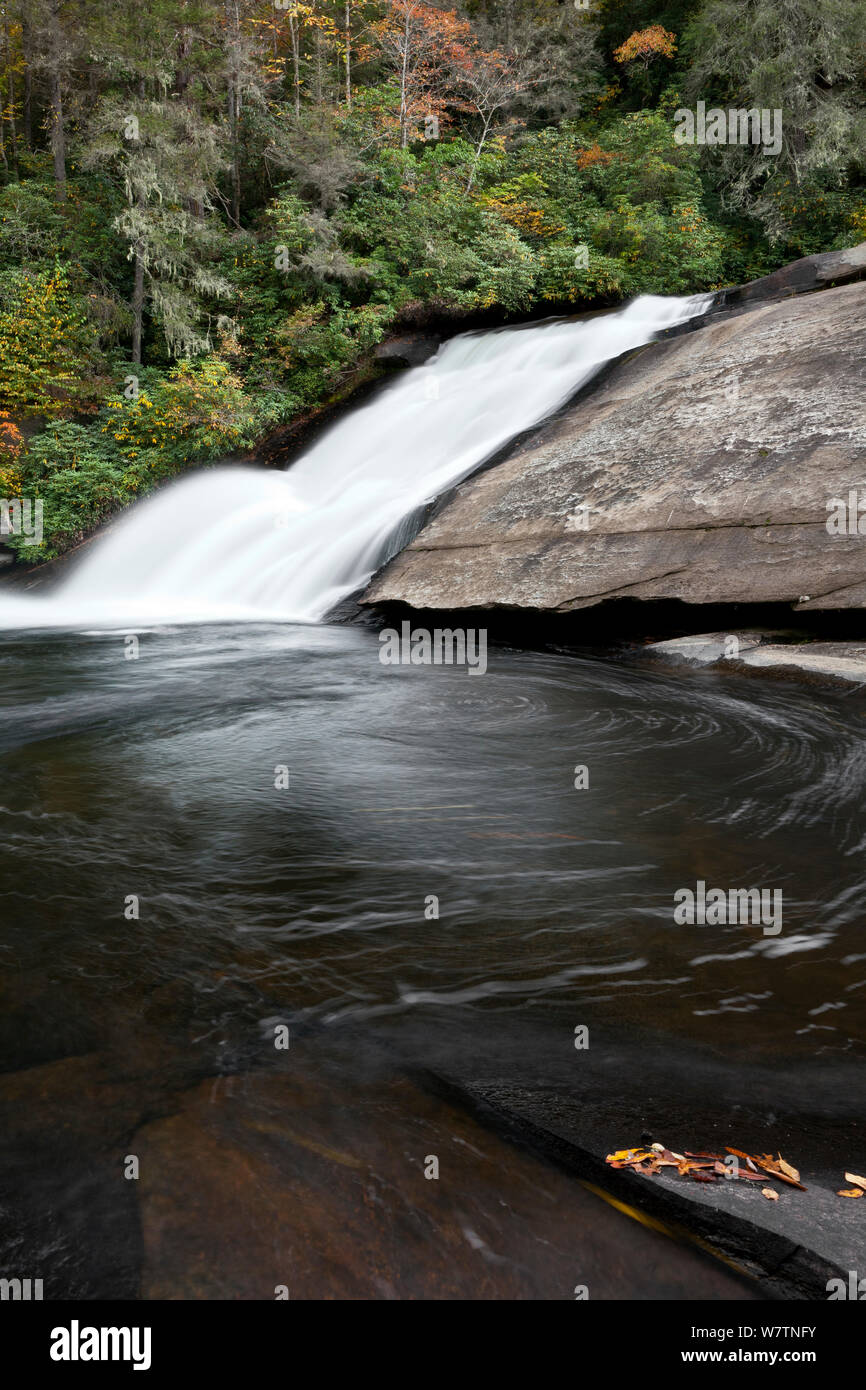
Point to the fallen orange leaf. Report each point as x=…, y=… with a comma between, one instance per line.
x=739, y=1154
x=629, y=1156
x=708, y=1167
x=770, y=1193
x=769, y=1165
x=850, y=1192
x=667, y=1155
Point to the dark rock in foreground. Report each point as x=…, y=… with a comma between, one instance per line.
x=298, y=1180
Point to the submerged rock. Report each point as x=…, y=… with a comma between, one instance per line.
x=704, y=468
x=840, y=660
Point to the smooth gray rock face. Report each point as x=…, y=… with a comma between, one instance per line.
x=707, y=462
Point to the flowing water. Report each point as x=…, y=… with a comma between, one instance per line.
x=246, y=543
x=170, y=906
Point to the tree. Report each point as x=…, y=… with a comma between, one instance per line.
x=646, y=45
x=423, y=46
x=319, y=155
x=291, y=22
x=620, y=18
x=347, y=49
x=803, y=59
x=12, y=68
x=489, y=84
x=165, y=156
x=557, y=48
x=53, y=40
x=241, y=42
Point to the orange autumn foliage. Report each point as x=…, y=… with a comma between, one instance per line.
x=594, y=155
x=646, y=44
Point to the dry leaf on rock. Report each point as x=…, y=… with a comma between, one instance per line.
x=628, y=1156
x=709, y=1167
x=770, y=1165
x=666, y=1158
x=770, y=1193
x=738, y=1153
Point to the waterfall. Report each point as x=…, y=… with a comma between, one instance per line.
x=251, y=544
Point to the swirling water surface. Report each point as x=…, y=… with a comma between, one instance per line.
x=166, y=906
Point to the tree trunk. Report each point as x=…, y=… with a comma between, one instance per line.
x=137, y=308
x=181, y=72
x=236, y=165
x=13, y=130
x=480, y=146
x=233, y=99
x=404, y=81
x=27, y=113
x=58, y=136
x=348, y=55
x=320, y=83
x=296, y=60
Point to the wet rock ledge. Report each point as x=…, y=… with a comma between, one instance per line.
x=837, y=661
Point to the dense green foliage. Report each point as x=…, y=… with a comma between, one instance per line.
x=212, y=210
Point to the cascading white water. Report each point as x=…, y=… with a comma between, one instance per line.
x=248, y=544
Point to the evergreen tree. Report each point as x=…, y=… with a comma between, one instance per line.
x=804, y=59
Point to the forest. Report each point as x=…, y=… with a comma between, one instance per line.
x=212, y=211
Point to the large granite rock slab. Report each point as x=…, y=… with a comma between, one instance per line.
x=701, y=468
